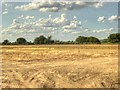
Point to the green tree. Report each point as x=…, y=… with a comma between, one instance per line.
x=93, y=40
x=21, y=41
x=81, y=39
x=40, y=40
x=104, y=41
x=5, y=42
x=114, y=38
x=49, y=39
x=87, y=40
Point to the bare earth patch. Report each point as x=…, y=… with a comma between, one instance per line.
x=60, y=66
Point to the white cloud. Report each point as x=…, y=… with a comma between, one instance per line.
x=113, y=18
x=86, y=30
x=32, y=31
x=75, y=32
x=72, y=25
x=53, y=9
x=59, y=22
x=58, y=6
x=30, y=6
x=50, y=24
x=29, y=17
x=17, y=24
x=67, y=30
x=101, y=19
x=53, y=32
x=102, y=30
x=100, y=4
x=110, y=29
x=5, y=4
x=25, y=17
x=5, y=12
x=22, y=16
x=6, y=9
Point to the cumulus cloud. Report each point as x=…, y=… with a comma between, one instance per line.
x=100, y=4
x=5, y=6
x=72, y=25
x=5, y=12
x=22, y=22
x=101, y=19
x=26, y=17
x=67, y=30
x=61, y=22
x=75, y=32
x=29, y=24
x=29, y=17
x=58, y=6
x=113, y=18
x=86, y=30
x=22, y=16
x=103, y=30
x=53, y=9
x=110, y=29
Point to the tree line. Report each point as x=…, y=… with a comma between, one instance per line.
x=112, y=38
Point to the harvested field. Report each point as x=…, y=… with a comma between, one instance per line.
x=60, y=66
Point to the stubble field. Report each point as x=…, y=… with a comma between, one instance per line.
x=60, y=66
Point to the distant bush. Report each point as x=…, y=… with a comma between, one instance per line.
x=114, y=38
x=43, y=40
x=87, y=40
x=21, y=41
x=5, y=42
x=40, y=40
x=104, y=41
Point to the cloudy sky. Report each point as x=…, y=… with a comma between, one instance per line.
x=62, y=20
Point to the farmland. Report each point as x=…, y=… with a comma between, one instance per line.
x=56, y=66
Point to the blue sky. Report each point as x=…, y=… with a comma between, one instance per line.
x=62, y=20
